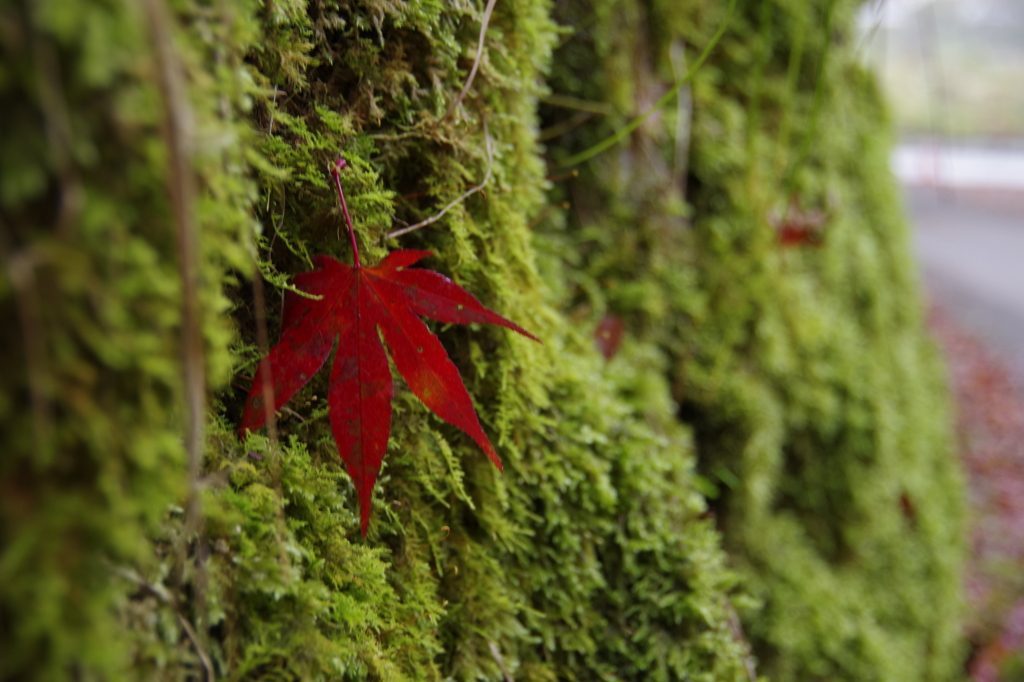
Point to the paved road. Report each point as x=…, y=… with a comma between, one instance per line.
x=971, y=253
x=976, y=165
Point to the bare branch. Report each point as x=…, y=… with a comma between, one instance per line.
x=737, y=631
x=262, y=342
x=476, y=62
x=180, y=180
x=165, y=596
x=501, y=663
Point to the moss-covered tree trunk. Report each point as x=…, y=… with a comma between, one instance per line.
x=155, y=156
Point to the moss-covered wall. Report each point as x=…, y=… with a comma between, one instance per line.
x=819, y=412
x=594, y=556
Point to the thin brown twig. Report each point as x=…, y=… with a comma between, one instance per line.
x=294, y=414
x=476, y=62
x=501, y=662
x=178, y=136
x=462, y=197
x=263, y=344
x=203, y=657
x=273, y=105
x=269, y=414
x=737, y=631
x=162, y=594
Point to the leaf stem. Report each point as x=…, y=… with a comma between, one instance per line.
x=339, y=165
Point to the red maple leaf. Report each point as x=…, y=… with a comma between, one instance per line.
x=356, y=303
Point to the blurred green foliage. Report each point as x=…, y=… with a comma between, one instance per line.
x=820, y=416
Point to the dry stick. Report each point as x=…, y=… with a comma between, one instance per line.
x=476, y=62
x=269, y=414
x=181, y=188
x=737, y=630
x=203, y=657
x=263, y=343
x=177, y=129
x=167, y=598
x=266, y=374
x=294, y=414
x=501, y=663
x=270, y=128
x=460, y=199
x=262, y=338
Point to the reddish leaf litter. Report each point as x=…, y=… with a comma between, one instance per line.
x=608, y=335
x=355, y=305
x=798, y=227
x=990, y=427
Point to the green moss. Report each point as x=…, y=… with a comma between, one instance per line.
x=818, y=405
x=90, y=296
x=594, y=556
x=588, y=557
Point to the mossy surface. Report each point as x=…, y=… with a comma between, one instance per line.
x=594, y=556
x=818, y=406
x=590, y=558
x=91, y=398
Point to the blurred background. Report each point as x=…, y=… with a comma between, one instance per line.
x=953, y=72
